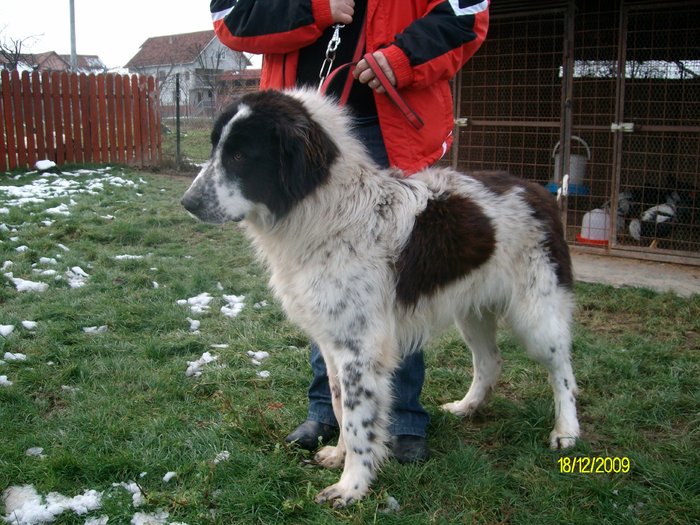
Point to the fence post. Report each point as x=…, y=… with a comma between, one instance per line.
x=177, y=121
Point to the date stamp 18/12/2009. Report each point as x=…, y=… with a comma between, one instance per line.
x=594, y=465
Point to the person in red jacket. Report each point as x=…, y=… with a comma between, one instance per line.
x=419, y=46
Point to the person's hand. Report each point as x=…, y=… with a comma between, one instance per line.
x=364, y=74
x=342, y=11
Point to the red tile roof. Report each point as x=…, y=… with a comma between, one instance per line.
x=171, y=49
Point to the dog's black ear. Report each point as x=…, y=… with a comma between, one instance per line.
x=306, y=156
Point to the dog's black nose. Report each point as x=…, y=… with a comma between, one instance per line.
x=191, y=202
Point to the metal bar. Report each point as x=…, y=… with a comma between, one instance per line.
x=511, y=123
x=619, y=117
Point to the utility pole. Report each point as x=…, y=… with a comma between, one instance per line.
x=73, y=54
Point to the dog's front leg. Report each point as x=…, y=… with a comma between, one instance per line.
x=366, y=397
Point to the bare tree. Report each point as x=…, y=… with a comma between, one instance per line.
x=13, y=50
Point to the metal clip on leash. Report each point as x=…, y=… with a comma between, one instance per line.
x=327, y=65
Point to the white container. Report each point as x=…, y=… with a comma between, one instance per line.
x=577, y=163
x=596, y=226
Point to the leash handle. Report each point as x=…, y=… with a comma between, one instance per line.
x=393, y=93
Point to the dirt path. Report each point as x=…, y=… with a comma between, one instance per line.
x=680, y=279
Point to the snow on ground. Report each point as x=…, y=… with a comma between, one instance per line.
x=95, y=329
x=9, y=356
x=168, y=476
x=24, y=505
x=198, y=304
x=194, y=368
x=4, y=382
x=257, y=357
x=76, y=277
x=24, y=285
x=6, y=329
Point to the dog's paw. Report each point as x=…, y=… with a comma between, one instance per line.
x=341, y=496
x=460, y=409
x=330, y=457
x=562, y=441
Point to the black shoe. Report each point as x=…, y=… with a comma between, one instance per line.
x=409, y=449
x=310, y=434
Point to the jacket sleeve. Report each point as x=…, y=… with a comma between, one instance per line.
x=269, y=26
x=435, y=46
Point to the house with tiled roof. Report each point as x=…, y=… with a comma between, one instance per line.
x=198, y=58
x=52, y=61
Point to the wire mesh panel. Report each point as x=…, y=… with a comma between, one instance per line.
x=660, y=160
x=619, y=114
x=511, y=97
x=593, y=108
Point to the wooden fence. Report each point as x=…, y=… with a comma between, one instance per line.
x=73, y=118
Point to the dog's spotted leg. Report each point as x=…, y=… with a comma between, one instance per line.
x=561, y=377
x=366, y=396
x=544, y=328
x=479, y=332
x=329, y=456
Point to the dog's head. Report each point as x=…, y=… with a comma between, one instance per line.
x=268, y=153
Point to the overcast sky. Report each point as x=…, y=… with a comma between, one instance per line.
x=113, y=30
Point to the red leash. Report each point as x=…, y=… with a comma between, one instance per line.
x=391, y=91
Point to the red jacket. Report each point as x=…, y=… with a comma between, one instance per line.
x=426, y=43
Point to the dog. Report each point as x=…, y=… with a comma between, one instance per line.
x=369, y=263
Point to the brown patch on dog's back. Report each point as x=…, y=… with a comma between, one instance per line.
x=451, y=238
x=544, y=209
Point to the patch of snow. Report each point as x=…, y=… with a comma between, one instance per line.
x=234, y=305
x=127, y=257
x=63, y=247
x=30, y=325
x=194, y=368
x=156, y=518
x=264, y=374
x=6, y=329
x=102, y=520
x=43, y=165
x=198, y=304
x=47, y=260
x=24, y=505
x=224, y=455
x=21, y=249
x=23, y=285
x=9, y=356
x=5, y=382
x=35, y=452
x=218, y=346
x=95, y=329
x=258, y=357
x=61, y=209
x=194, y=325
x=77, y=277
x=261, y=304
x=6, y=265
x=168, y=476
x=137, y=497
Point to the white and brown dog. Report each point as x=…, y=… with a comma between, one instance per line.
x=369, y=263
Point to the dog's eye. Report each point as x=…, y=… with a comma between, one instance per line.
x=237, y=156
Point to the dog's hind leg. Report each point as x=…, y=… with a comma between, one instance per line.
x=545, y=330
x=479, y=332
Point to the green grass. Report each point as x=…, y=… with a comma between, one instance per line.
x=195, y=144
x=131, y=409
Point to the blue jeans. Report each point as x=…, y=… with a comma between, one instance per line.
x=408, y=415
